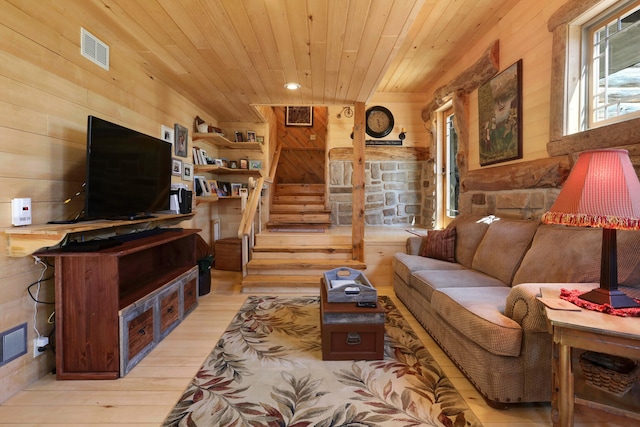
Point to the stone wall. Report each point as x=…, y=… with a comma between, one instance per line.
x=517, y=204
x=398, y=189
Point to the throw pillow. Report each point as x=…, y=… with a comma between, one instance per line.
x=440, y=244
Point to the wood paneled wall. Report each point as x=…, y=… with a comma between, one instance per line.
x=303, y=149
x=47, y=90
x=522, y=35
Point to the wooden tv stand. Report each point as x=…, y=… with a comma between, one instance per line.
x=113, y=306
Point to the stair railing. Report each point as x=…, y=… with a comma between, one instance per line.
x=246, y=227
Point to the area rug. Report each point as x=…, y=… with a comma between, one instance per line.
x=267, y=370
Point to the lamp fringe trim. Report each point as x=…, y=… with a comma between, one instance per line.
x=585, y=220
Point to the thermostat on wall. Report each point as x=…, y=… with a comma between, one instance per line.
x=21, y=211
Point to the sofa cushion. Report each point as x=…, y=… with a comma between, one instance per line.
x=427, y=281
x=404, y=264
x=565, y=254
x=562, y=254
x=478, y=314
x=469, y=233
x=503, y=246
x=440, y=244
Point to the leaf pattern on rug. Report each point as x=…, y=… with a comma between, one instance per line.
x=266, y=370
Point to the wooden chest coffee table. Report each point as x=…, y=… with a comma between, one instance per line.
x=350, y=332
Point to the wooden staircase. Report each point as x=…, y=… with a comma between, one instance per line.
x=294, y=262
x=299, y=206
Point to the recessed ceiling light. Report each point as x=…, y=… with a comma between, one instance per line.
x=292, y=86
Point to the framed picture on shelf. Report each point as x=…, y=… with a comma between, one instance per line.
x=217, y=162
x=299, y=116
x=233, y=164
x=251, y=136
x=244, y=163
x=239, y=136
x=260, y=139
x=176, y=167
x=181, y=140
x=167, y=134
x=213, y=186
x=187, y=172
x=235, y=189
x=224, y=189
x=500, y=117
x=255, y=164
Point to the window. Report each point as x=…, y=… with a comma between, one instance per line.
x=449, y=176
x=615, y=68
x=451, y=168
x=612, y=64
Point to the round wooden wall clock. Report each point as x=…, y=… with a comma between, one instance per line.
x=379, y=121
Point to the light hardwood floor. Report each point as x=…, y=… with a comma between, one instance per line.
x=146, y=395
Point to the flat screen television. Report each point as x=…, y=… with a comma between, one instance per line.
x=128, y=172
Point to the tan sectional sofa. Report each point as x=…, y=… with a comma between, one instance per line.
x=482, y=308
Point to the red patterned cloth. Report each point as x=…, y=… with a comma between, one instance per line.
x=573, y=296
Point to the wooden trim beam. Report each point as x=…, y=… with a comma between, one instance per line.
x=357, y=180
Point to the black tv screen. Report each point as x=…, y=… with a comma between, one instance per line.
x=128, y=172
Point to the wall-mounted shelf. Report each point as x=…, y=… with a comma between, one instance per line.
x=207, y=199
x=222, y=142
x=223, y=170
x=23, y=241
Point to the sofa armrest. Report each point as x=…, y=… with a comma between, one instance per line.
x=413, y=245
x=523, y=307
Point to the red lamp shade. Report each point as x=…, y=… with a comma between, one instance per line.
x=602, y=190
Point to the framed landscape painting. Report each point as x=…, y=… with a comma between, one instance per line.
x=299, y=116
x=500, y=117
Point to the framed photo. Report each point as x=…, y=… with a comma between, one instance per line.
x=224, y=189
x=500, y=117
x=166, y=134
x=181, y=140
x=187, y=171
x=251, y=136
x=299, y=116
x=213, y=186
x=255, y=164
x=260, y=139
x=176, y=167
x=235, y=189
x=244, y=163
x=217, y=162
x=239, y=136
x=233, y=164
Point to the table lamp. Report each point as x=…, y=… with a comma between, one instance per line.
x=603, y=191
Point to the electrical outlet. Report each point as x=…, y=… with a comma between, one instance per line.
x=37, y=343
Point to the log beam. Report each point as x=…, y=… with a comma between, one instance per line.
x=551, y=172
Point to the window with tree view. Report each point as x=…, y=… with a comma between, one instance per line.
x=614, y=71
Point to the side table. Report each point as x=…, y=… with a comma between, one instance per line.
x=589, y=330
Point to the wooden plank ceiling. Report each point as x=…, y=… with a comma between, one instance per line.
x=229, y=55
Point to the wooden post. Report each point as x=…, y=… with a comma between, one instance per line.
x=357, y=181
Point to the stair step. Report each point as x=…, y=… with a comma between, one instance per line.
x=300, y=217
x=296, y=199
x=320, y=225
x=303, y=248
x=265, y=265
x=298, y=189
x=306, y=207
x=294, y=238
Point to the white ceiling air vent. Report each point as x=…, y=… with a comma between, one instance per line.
x=94, y=49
